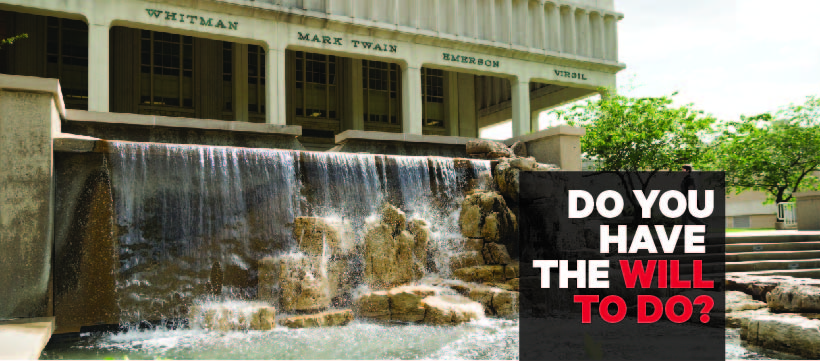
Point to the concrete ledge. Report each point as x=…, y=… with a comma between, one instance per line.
x=25, y=339
x=549, y=132
x=72, y=143
x=172, y=122
x=343, y=137
x=35, y=84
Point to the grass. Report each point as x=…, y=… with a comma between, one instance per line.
x=733, y=230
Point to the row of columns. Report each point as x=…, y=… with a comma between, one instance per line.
x=98, y=87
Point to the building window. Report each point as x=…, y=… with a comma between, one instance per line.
x=67, y=59
x=380, y=82
x=166, y=70
x=315, y=93
x=432, y=84
x=256, y=80
x=227, y=76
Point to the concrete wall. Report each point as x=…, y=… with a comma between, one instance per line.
x=29, y=116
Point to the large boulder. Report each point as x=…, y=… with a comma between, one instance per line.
x=394, y=218
x=374, y=305
x=474, y=244
x=232, y=316
x=507, y=174
x=738, y=301
x=405, y=302
x=466, y=259
x=297, y=281
x=794, y=298
x=759, y=286
x=484, y=214
x=380, y=257
x=505, y=303
x=481, y=274
x=495, y=253
x=323, y=319
x=313, y=233
x=450, y=310
x=784, y=332
x=519, y=149
x=488, y=149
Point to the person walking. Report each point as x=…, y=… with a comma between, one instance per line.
x=686, y=185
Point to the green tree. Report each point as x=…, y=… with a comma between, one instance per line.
x=11, y=40
x=640, y=134
x=633, y=135
x=772, y=152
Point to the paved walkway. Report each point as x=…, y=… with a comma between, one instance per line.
x=788, y=232
x=24, y=339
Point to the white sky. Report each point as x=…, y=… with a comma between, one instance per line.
x=727, y=57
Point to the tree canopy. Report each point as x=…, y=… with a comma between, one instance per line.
x=640, y=134
x=772, y=152
x=11, y=40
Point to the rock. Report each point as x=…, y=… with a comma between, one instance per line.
x=784, y=332
x=488, y=149
x=474, y=244
x=394, y=218
x=450, y=310
x=466, y=259
x=506, y=178
x=373, y=305
x=405, y=302
x=519, y=149
x=505, y=303
x=324, y=319
x=502, y=286
x=470, y=219
x=484, y=214
x=232, y=316
x=759, y=286
x=794, y=298
x=297, y=281
x=495, y=253
x=339, y=276
x=313, y=232
x=388, y=261
x=421, y=234
x=525, y=164
x=734, y=319
x=406, y=267
x=738, y=301
x=481, y=274
x=512, y=271
x=513, y=283
x=491, y=229
x=484, y=296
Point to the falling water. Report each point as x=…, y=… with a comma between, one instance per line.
x=194, y=220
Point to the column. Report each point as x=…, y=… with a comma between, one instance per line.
x=354, y=95
x=476, y=20
x=510, y=20
x=520, y=107
x=587, y=24
x=493, y=22
x=411, y=99
x=555, y=27
x=98, y=67
x=573, y=33
x=542, y=27
x=396, y=5
x=451, y=99
x=240, y=82
x=535, y=116
x=602, y=43
x=275, y=105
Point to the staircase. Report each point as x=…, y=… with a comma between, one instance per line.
x=774, y=253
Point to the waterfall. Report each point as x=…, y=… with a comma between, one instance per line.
x=193, y=220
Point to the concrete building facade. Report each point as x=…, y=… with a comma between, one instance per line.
x=416, y=67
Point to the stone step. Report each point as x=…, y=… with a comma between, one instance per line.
x=780, y=246
x=798, y=273
x=773, y=237
x=792, y=264
x=772, y=255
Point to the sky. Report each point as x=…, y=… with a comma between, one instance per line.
x=726, y=57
